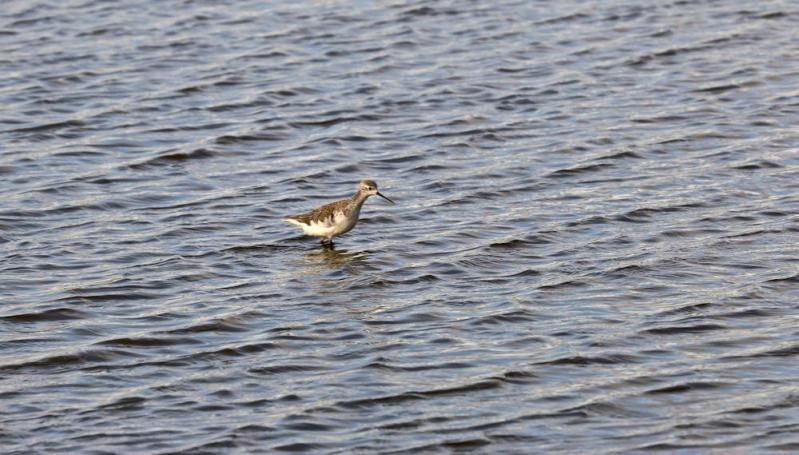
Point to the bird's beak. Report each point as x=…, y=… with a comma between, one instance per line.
x=389, y=200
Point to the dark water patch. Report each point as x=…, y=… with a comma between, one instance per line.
x=232, y=139
x=602, y=409
x=518, y=377
x=79, y=153
x=392, y=400
x=410, y=319
x=746, y=314
x=659, y=119
x=775, y=213
x=49, y=127
x=583, y=361
x=509, y=317
x=147, y=342
x=112, y=296
x=203, y=127
x=412, y=424
x=431, y=168
x=643, y=214
x=334, y=121
x=532, y=240
x=464, y=444
x=628, y=271
x=627, y=154
x=300, y=447
x=563, y=285
x=782, y=283
x=385, y=283
x=125, y=404
x=285, y=369
x=755, y=233
x=789, y=402
x=63, y=362
x=589, y=221
x=668, y=54
x=693, y=308
x=687, y=388
x=685, y=233
x=239, y=351
x=679, y=330
x=489, y=134
x=579, y=170
x=173, y=158
x=718, y=88
x=434, y=366
x=526, y=273
x=258, y=248
x=789, y=351
x=218, y=326
x=699, y=137
x=563, y=18
x=55, y=314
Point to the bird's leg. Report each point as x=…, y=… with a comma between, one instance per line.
x=327, y=242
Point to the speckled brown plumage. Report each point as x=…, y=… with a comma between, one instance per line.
x=325, y=213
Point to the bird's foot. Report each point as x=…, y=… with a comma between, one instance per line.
x=328, y=244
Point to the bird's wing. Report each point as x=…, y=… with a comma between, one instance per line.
x=324, y=213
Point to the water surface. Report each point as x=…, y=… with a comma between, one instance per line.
x=594, y=247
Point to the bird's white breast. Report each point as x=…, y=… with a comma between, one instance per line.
x=329, y=228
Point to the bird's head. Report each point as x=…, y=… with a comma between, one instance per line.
x=370, y=187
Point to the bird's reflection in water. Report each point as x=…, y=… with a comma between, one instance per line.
x=332, y=273
x=330, y=258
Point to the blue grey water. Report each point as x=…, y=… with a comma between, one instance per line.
x=595, y=246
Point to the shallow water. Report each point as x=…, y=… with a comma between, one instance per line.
x=594, y=247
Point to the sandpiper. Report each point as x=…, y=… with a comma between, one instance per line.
x=337, y=217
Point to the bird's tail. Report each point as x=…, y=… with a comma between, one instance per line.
x=293, y=221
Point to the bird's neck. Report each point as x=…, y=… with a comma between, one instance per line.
x=359, y=198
